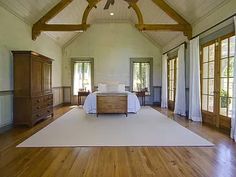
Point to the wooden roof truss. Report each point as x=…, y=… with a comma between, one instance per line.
x=41, y=25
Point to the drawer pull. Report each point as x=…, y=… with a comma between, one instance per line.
x=38, y=101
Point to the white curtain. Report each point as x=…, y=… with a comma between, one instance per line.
x=180, y=99
x=164, y=90
x=194, y=86
x=233, y=120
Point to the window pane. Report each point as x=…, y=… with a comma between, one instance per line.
x=136, y=80
x=78, y=77
x=224, y=48
x=211, y=69
x=205, y=86
x=212, y=52
x=231, y=67
x=141, y=76
x=224, y=87
x=223, y=106
x=172, y=95
x=204, y=102
x=169, y=84
x=232, y=46
x=205, y=54
x=224, y=68
x=210, y=103
x=230, y=102
x=211, y=86
x=205, y=70
x=87, y=77
x=231, y=81
x=172, y=75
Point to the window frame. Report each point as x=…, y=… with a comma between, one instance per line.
x=142, y=60
x=80, y=60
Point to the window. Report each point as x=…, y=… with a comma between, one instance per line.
x=83, y=75
x=172, y=71
x=141, y=76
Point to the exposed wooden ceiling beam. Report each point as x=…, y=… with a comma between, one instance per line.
x=175, y=16
x=170, y=11
x=48, y=16
x=64, y=27
x=54, y=11
x=162, y=27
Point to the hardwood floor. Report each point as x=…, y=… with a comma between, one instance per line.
x=217, y=161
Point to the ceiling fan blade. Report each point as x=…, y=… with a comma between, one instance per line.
x=108, y=3
x=131, y=1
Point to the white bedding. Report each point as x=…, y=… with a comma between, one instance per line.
x=90, y=103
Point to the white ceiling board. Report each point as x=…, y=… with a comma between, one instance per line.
x=72, y=14
x=29, y=10
x=152, y=14
x=192, y=10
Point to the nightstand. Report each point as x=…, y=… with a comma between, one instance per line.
x=142, y=95
x=82, y=94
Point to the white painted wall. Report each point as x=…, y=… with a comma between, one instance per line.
x=16, y=35
x=112, y=45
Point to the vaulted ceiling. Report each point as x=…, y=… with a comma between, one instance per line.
x=32, y=10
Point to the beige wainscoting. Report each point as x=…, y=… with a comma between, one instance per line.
x=154, y=99
x=6, y=104
x=6, y=108
x=57, y=96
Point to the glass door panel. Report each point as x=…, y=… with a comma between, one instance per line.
x=226, y=75
x=208, y=77
x=172, y=71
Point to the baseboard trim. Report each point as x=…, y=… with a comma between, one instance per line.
x=6, y=128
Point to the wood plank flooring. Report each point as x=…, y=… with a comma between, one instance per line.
x=217, y=161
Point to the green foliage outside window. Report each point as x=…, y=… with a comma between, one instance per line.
x=223, y=102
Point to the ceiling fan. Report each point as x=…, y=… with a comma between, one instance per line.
x=111, y=2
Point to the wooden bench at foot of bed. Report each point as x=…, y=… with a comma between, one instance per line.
x=114, y=103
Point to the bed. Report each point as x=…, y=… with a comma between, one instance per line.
x=90, y=104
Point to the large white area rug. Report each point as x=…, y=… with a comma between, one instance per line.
x=146, y=128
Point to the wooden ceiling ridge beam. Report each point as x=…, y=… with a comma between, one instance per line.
x=93, y=3
x=36, y=29
x=175, y=16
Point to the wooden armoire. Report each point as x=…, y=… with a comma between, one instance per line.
x=33, y=98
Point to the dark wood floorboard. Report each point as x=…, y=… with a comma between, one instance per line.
x=217, y=161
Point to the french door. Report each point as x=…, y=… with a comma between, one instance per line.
x=172, y=72
x=217, y=61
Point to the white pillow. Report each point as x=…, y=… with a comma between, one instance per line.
x=102, y=88
x=121, y=88
x=112, y=88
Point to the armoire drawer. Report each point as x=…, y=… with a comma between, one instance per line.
x=37, y=101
